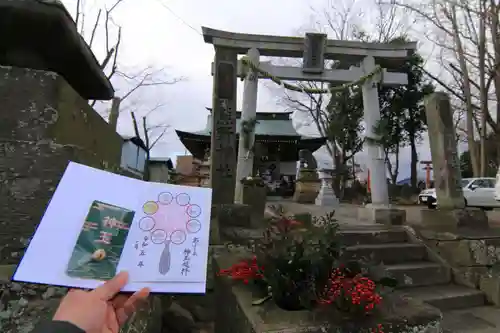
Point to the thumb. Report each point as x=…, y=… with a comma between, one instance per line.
x=112, y=287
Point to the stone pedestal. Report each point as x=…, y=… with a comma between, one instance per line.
x=306, y=191
x=255, y=197
x=234, y=215
x=451, y=219
x=382, y=214
x=326, y=196
x=228, y=216
x=307, y=186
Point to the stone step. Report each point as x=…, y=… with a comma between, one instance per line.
x=357, y=237
x=446, y=297
x=482, y=319
x=389, y=253
x=421, y=273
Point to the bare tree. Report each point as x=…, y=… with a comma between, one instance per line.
x=110, y=47
x=466, y=34
x=151, y=134
x=342, y=20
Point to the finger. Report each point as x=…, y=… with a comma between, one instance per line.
x=119, y=301
x=111, y=320
x=112, y=287
x=131, y=305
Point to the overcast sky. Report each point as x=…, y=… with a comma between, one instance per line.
x=167, y=34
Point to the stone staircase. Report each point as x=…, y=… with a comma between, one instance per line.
x=464, y=309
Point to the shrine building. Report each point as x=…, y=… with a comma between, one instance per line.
x=277, y=144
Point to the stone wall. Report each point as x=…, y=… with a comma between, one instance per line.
x=44, y=124
x=23, y=305
x=474, y=257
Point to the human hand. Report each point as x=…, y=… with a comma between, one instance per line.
x=100, y=310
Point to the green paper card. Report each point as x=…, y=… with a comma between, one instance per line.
x=100, y=243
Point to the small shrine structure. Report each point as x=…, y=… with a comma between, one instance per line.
x=275, y=148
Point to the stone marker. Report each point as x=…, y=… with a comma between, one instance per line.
x=445, y=161
x=451, y=212
x=223, y=144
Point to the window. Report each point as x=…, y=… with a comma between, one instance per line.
x=483, y=183
x=490, y=183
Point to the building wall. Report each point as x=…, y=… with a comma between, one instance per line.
x=44, y=124
x=158, y=172
x=133, y=158
x=186, y=164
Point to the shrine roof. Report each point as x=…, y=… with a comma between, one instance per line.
x=40, y=34
x=278, y=126
x=265, y=115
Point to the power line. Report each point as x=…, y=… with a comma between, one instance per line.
x=179, y=18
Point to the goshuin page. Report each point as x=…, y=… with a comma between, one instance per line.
x=168, y=240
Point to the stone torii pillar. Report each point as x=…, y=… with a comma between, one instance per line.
x=376, y=161
x=379, y=210
x=244, y=166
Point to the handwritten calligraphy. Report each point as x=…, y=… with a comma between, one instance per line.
x=142, y=250
x=186, y=265
x=196, y=240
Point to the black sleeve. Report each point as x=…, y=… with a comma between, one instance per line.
x=57, y=327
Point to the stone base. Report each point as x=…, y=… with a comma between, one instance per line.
x=396, y=315
x=306, y=191
x=327, y=198
x=382, y=215
x=234, y=215
x=255, y=198
x=450, y=219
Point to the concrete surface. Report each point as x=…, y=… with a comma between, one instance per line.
x=348, y=213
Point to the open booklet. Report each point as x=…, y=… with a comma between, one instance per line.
x=99, y=223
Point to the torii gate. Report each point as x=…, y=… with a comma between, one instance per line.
x=357, y=59
x=427, y=168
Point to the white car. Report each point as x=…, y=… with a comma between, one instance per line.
x=497, y=186
x=478, y=192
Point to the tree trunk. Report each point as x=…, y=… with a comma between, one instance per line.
x=483, y=92
x=414, y=161
x=467, y=89
x=495, y=31
x=338, y=171
x=396, y=167
x=147, y=175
